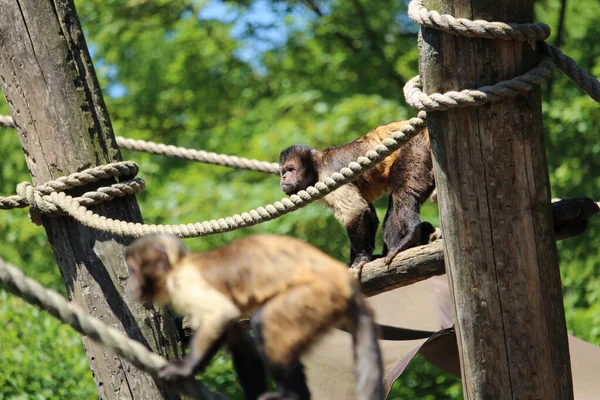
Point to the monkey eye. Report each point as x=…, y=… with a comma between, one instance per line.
x=291, y=169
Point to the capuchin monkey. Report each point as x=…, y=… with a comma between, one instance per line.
x=293, y=292
x=407, y=174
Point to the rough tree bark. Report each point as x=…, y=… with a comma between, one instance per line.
x=494, y=198
x=51, y=88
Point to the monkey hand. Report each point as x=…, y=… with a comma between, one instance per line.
x=176, y=370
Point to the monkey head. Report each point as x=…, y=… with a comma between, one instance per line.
x=297, y=168
x=149, y=259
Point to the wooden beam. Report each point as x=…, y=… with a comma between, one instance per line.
x=50, y=85
x=570, y=218
x=494, y=199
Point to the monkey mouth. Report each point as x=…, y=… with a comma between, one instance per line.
x=287, y=188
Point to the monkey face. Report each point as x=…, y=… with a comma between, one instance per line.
x=149, y=263
x=297, y=169
x=291, y=173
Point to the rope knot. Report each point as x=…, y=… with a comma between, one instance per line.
x=37, y=204
x=41, y=203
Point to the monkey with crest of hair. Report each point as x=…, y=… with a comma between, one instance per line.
x=293, y=292
x=407, y=174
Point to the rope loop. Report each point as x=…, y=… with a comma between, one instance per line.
x=538, y=31
x=40, y=203
x=415, y=97
x=535, y=33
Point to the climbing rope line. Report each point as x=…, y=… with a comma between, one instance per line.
x=198, y=155
x=137, y=354
x=52, y=200
x=415, y=97
x=206, y=157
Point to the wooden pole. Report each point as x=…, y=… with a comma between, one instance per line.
x=50, y=85
x=494, y=199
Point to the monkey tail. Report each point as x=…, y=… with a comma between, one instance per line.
x=367, y=356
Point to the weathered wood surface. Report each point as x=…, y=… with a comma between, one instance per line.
x=494, y=198
x=51, y=88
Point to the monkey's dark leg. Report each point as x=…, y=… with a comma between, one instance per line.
x=247, y=362
x=402, y=226
x=290, y=380
x=361, y=234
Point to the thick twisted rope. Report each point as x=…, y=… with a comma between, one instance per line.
x=36, y=197
x=479, y=28
x=415, y=97
x=532, y=32
x=49, y=198
x=577, y=74
x=206, y=157
x=134, y=352
x=28, y=194
x=269, y=212
x=198, y=155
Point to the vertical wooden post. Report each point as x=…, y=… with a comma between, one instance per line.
x=50, y=85
x=494, y=198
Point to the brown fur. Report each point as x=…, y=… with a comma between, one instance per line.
x=294, y=290
x=407, y=174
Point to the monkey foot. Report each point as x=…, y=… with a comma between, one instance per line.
x=390, y=257
x=357, y=266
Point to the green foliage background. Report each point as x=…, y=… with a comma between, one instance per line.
x=249, y=77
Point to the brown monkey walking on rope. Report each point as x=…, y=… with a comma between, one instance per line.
x=294, y=291
x=407, y=175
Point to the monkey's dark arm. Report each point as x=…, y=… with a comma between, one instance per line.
x=214, y=315
x=194, y=363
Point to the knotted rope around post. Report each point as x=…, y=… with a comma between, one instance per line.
x=415, y=97
x=479, y=28
x=75, y=209
x=535, y=33
x=37, y=197
x=134, y=352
